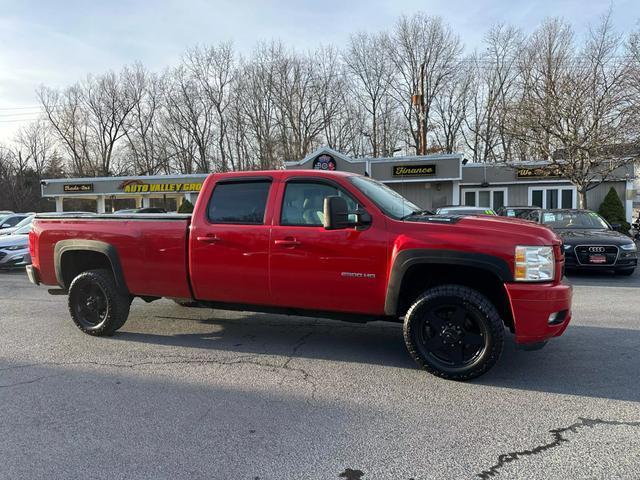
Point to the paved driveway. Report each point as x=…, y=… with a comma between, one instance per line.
x=201, y=394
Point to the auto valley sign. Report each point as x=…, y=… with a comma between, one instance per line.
x=138, y=186
x=414, y=170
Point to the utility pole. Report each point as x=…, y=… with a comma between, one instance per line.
x=418, y=102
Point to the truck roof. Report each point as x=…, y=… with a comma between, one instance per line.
x=285, y=173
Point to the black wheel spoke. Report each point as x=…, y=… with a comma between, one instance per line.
x=456, y=354
x=473, y=339
x=434, y=343
x=434, y=321
x=458, y=316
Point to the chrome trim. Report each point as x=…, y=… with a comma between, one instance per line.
x=596, y=264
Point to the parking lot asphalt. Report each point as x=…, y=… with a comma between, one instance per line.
x=203, y=394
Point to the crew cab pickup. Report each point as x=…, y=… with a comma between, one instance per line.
x=318, y=244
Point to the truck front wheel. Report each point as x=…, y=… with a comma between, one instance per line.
x=96, y=305
x=454, y=332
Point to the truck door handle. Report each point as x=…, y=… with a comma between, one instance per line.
x=209, y=239
x=288, y=242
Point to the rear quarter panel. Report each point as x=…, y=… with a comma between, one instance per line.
x=152, y=253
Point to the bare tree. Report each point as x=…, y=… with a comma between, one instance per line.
x=368, y=63
x=37, y=144
x=423, y=49
x=494, y=87
x=68, y=118
x=145, y=146
x=575, y=106
x=213, y=69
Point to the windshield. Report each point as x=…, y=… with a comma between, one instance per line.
x=388, y=200
x=26, y=221
x=23, y=230
x=577, y=220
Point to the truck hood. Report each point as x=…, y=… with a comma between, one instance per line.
x=499, y=230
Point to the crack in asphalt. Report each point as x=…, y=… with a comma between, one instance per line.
x=306, y=376
x=558, y=435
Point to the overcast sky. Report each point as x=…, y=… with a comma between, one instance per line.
x=58, y=42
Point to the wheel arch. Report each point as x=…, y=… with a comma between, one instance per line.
x=415, y=270
x=72, y=257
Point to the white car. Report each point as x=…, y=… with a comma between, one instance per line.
x=14, y=249
x=25, y=221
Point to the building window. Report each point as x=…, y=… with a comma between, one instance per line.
x=485, y=197
x=553, y=197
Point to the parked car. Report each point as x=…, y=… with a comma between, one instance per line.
x=142, y=210
x=590, y=242
x=19, y=225
x=524, y=212
x=13, y=219
x=319, y=244
x=14, y=249
x=464, y=210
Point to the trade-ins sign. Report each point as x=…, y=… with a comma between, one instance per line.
x=413, y=170
x=139, y=186
x=77, y=188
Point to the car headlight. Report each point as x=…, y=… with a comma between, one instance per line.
x=534, y=264
x=568, y=247
x=629, y=247
x=15, y=247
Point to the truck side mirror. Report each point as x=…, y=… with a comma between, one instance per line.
x=616, y=226
x=336, y=213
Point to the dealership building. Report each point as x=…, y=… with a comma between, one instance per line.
x=429, y=181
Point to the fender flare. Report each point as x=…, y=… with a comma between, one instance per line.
x=408, y=258
x=109, y=251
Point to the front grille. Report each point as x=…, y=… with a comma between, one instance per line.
x=585, y=252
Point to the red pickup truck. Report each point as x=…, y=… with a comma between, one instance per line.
x=318, y=244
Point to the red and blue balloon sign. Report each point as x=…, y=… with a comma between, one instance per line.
x=324, y=162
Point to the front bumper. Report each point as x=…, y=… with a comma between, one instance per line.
x=540, y=311
x=14, y=258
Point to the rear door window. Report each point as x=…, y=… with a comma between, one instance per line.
x=239, y=202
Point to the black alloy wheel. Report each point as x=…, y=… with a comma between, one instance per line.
x=91, y=305
x=96, y=304
x=454, y=332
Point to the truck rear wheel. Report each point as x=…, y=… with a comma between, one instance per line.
x=96, y=305
x=454, y=332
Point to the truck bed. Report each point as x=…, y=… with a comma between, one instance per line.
x=152, y=248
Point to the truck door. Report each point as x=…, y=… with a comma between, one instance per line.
x=318, y=269
x=229, y=244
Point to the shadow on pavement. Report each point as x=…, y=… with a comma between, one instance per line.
x=605, y=278
x=585, y=361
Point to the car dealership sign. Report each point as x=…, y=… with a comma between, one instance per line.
x=77, y=188
x=138, y=186
x=414, y=170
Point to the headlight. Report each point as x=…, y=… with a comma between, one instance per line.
x=15, y=247
x=534, y=264
x=567, y=247
x=629, y=247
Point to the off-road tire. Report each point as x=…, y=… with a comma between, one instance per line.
x=115, y=303
x=478, y=310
